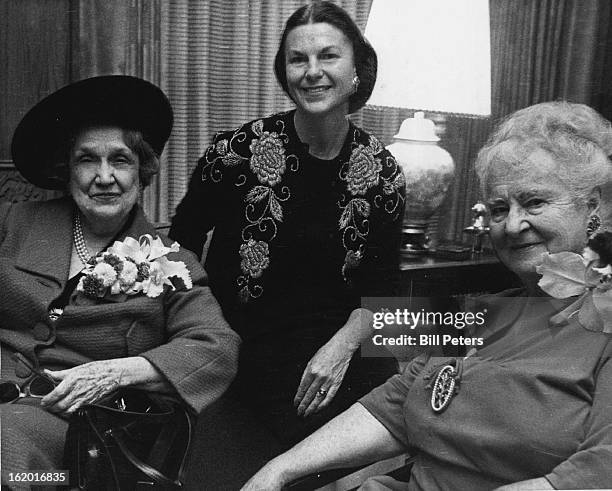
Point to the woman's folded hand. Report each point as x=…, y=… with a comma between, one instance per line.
x=83, y=384
x=92, y=381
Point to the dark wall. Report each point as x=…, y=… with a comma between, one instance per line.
x=34, y=61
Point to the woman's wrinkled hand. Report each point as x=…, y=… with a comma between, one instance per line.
x=82, y=385
x=322, y=377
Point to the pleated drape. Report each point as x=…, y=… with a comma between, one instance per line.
x=545, y=50
x=540, y=51
x=121, y=37
x=214, y=59
x=218, y=71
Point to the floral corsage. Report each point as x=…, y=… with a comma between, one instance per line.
x=132, y=267
x=588, y=276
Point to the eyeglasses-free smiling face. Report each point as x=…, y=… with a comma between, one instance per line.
x=319, y=68
x=533, y=212
x=104, y=180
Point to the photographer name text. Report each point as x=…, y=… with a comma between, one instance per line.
x=426, y=340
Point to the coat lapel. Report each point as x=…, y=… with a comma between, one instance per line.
x=49, y=239
x=49, y=242
x=140, y=226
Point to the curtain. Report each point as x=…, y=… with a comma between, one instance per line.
x=540, y=51
x=121, y=37
x=214, y=59
x=48, y=44
x=218, y=71
x=545, y=50
x=601, y=88
x=601, y=93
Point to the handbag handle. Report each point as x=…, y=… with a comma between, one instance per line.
x=163, y=444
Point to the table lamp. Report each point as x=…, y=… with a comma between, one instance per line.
x=433, y=55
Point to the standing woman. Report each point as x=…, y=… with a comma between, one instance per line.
x=306, y=210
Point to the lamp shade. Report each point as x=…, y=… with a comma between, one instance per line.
x=433, y=55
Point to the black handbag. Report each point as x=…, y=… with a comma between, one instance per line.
x=130, y=440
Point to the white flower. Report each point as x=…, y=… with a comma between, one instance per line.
x=115, y=288
x=146, y=248
x=135, y=259
x=130, y=247
x=106, y=273
x=175, y=269
x=157, y=248
x=589, y=255
x=605, y=271
x=127, y=277
x=80, y=285
x=154, y=284
x=160, y=273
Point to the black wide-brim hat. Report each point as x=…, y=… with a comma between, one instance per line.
x=130, y=103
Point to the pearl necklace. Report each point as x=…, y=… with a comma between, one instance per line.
x=79, y=240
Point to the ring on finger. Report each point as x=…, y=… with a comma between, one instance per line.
x=322, y=392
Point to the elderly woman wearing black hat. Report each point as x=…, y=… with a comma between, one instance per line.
x=92, y=298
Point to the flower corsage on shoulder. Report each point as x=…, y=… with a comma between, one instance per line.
x=587, y=276
x=132, y=267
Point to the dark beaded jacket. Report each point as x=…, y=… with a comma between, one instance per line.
x=297, y=240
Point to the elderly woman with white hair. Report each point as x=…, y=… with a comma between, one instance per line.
x=533, y=409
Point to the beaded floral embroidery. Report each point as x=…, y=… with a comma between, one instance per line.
x=365, y=169
x=255, y=257
x=268, y=155
x=269, y=164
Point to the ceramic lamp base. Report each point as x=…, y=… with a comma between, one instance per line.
x=429, y=171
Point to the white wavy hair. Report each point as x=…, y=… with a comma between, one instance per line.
x=578, y=138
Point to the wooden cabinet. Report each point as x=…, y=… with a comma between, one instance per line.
x=433, y=277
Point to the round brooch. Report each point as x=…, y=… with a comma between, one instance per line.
x=443, y=388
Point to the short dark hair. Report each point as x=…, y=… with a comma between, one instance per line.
x=148, y=161
x=366, y=62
